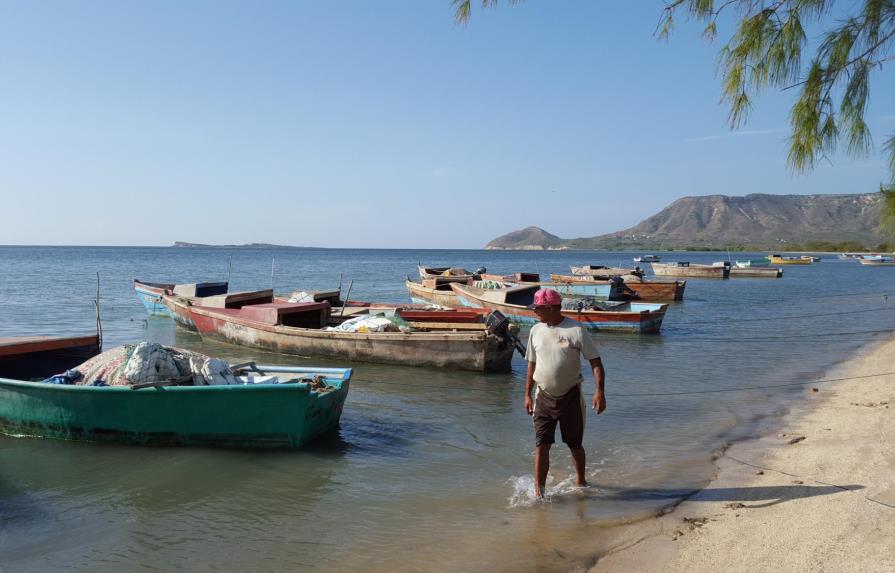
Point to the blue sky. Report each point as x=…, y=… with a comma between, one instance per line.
x=372, y=124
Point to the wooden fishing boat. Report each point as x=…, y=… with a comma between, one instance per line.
x=876, y=261
x=756, y=272
x=288, y=414
x=449, y=273
x=449, y=339
x=781, y=260
x=435, y=291
x=174, y=300
x=636, y=287
x=604, y=290
x=26, y=357
x=643, y=318
x=691, y=270
x=179, y=304
x=601, y=272
x=152, y=294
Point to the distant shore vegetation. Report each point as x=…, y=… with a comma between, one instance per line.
x=808, y=246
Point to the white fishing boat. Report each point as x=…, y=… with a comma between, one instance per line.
x=876, y=261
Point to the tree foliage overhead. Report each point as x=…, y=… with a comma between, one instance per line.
x=463, y=8
x=767, y=51
x=887, y=219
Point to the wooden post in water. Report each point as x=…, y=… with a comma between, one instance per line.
x=347, y=296
x=273, y=261
x=229, y=272
x=99, y=324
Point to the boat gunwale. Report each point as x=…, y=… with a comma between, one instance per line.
x=320, y=333
x=154, y=288
x=663, y=307
x=35, y=344
x=303, y=387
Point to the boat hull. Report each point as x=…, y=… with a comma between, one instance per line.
x=477, y=351
x=152, y=298
x=643, y=322
x=692, y=271
x=756, y=272
x=260, y=415
x=179, y=310
x=27, y=357
x=643, y=290
x=790, y=261
x=420, y=294
x=604, y=273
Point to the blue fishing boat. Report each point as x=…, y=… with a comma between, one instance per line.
x=165, y=299
x=605, y=290
x=150, y=294
x=512, y=302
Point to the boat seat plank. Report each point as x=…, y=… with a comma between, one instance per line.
x=237, y=299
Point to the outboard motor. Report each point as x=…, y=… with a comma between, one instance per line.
x=481, y=271
x=499, y=325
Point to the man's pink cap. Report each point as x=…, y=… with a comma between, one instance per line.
x=546, y=297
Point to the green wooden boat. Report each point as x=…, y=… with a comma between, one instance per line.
x=283, y=415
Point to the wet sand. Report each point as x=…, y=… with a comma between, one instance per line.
x=817, y=495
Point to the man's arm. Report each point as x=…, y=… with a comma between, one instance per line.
x=529, y=386
x=600, y=377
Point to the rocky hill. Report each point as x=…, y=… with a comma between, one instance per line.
x=756, y=220
x=529, y=238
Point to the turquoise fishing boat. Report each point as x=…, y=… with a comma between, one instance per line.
x=632, y=317
x=150, y=294
x=276, y=407
x=173, y=300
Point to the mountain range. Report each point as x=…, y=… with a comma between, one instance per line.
x=758, y=220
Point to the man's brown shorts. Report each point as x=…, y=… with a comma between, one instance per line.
x=566, y=410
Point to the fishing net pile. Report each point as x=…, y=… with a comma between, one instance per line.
x=583, y=303
x=373, y=323
x=147, y=363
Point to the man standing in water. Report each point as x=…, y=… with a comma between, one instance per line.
x=555, y=348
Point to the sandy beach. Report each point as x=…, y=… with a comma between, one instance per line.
x=817, y=495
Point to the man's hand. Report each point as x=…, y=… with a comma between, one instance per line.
x=599, y=402
x=529, y=405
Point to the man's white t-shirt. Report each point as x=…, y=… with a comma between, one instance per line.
x=557, y=352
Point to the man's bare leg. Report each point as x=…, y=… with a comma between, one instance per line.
x=542, y=466
x=578, y=458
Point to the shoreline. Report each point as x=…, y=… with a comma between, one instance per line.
x=818, y=494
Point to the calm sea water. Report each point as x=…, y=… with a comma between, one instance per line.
x=430, y=469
